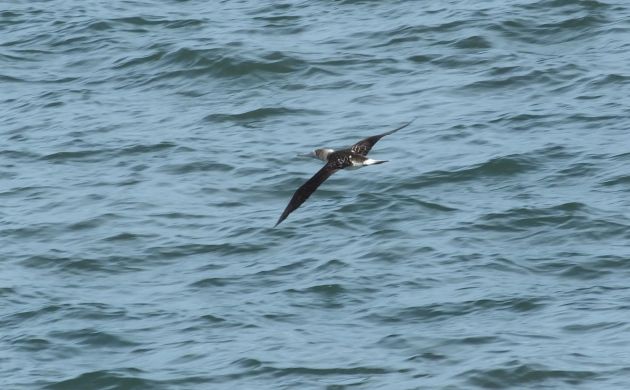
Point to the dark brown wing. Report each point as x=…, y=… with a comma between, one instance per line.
x=306, y=190
x=363, y=147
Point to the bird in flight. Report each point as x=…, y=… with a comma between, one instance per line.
x=353, y=157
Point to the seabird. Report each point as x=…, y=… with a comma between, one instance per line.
x=353, y=157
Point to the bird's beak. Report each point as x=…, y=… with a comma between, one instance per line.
x=311, y=155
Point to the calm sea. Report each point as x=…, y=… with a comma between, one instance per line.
x=148, y=148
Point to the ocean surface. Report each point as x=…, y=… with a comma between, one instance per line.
x=148, y=148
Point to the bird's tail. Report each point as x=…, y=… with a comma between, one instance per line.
x=369, y=161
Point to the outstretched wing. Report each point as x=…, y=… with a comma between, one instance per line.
x=307, y=189
x=363, y=147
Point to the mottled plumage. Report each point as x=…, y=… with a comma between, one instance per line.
x=363, y=147
x=352, y=157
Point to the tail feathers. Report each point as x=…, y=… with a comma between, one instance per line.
x=369, y=161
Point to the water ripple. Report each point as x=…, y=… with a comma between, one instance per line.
x=148, y=151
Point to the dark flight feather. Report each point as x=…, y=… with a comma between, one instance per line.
x=363, y=147
x=302, y=193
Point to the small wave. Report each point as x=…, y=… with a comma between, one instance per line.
x=534, y=77
x=301, y=371
x=10, y=79
x=7, y=175
x=282, y=24
x=572, y=215
x=247, y=363
x=93, y=338
x=176, y=215
x=93, y=222
x=477, y=340
x=593, y=118
x=564, y=30
x=279, y=18
x=9, y=14
x=575, y=4
x=496, y=167
x=197, y=166
x=275, y=62
x=6, y=292
x=107, y=379
x=86, y=311
x=524, y=218
x=139, y=21
x=74, y=265
x=368, y=202
x=576, y=23
x=430, y=356
x=472, y=42
x=321, y=289
x=439, y=311
x=209, y=318
x=515, y=374
x=173, y=252
x=329, y=371
x=524, y=121
x=582, y=266
x=285, y=269
x=408, y=200
x=330, y=266
x=150, y=148
x=217, y=63
x=17, y=154
x=97, y=155
x=576, y=271
x=421, y=58
x=99, y=25
x=408, y=33
x=458, y=61
x=213, y=282
x=32, y=315
x=575, y=171
x=620, y=180
x=499, y=166
x=80, y=155
x=32, y=344
x=607, y=80
x=127, y=236
x=259, y=114
x=593, y=327
x=126, y=62
x=27, y=193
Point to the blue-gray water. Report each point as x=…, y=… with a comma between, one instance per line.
x=147, y=149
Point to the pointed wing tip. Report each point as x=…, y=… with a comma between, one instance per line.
x=282, y=218
x=398, y=128
x=406, y=124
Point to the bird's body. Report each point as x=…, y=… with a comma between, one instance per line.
x=348, y=159
x=353, y=157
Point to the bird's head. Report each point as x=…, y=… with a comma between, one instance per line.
x=320, y=154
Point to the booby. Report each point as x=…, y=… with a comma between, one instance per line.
x=353, y=157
